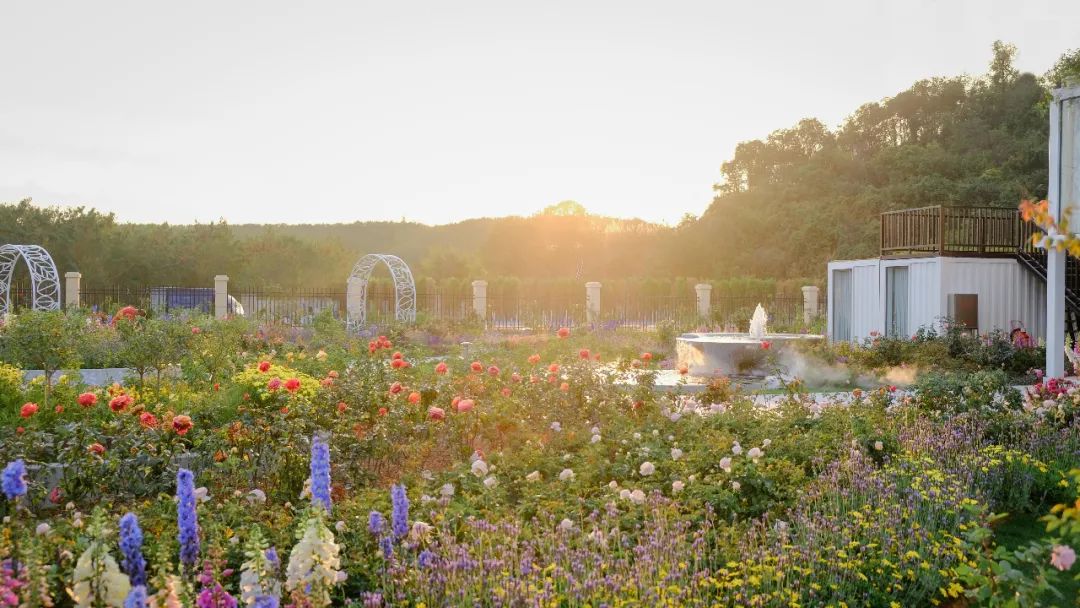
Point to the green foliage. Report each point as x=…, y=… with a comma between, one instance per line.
x=48, y=340
x=11, y=395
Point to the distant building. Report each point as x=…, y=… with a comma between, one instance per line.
x=972, y=266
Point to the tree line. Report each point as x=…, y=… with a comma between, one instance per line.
x=784, y=206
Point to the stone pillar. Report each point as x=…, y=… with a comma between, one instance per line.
x=479, y=298
x=592, y=302
x=810, y=303
x=72, y=289
x=704, y=299
x=355, y=289
x=221, y=296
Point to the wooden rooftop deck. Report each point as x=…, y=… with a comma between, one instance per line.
x=955, y=231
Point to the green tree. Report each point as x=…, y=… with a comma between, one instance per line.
x=43, y=339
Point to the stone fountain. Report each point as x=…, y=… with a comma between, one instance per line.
x=734, y=354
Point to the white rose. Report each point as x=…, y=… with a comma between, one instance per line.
x=566, y=524
x=595, y=439
x=755, y=453
x=479, y=468
x=647, y=468
x=534, y=476
x=624, y=494
x=566, y=475
x=736, y=449
x=447, y=489
x=614, y=485
x=736, y=486
x=676, y=453
x=42, y=529
x=725, y=463
x=677, y=486
x=490, y=481
x=637, y=496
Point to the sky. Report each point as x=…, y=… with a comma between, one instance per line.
x=288, y=112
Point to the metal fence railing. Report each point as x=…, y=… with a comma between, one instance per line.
x=300, y=307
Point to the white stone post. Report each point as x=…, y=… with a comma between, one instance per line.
x=355, y=289
x=479, y=298
x=592, y=302
x=221, y=296
x=704, y=299
x=72, y=289
x=810, y=303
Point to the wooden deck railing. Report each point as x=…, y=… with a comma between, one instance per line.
x=955, y=231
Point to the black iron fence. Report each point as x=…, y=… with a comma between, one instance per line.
x=300, y=307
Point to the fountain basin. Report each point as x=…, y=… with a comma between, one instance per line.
x=732, y=354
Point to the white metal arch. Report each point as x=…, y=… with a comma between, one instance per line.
x=404, y=288
x=44, y=279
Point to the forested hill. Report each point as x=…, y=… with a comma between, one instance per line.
x=785, y=205
x=807, y=194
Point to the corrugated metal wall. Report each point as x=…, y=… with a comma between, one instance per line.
x=1008, y=293
x=866, y=310
x=924, y=285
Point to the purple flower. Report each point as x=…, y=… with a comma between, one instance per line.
x=399, y=512
x=320, y=472
x=387, y=545
x=14, y=479
x=186, y=518
x=136, y=597
x=131, y=538
x=376, y=523
x=272, y=557
x=426, y=559
x=265, y=601
x=215, y=597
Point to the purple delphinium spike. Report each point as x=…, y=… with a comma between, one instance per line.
x=186, y=518
x=320, y=472
x=265, y=601
x=136, y=598
x=14, y=479
x=131, y=538
x=376, y=523
x=399, y=512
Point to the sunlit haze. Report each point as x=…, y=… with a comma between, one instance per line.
x=276, y=112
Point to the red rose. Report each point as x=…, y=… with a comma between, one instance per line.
x=148, y=420
x=182, y=424
x=96, y=448
x=441, y=368
x=534, y=359
x=87, y=399
x=28, y=410
x=292, y=385
x=476, y=366
x=436, y=413
x=414, y=397
x=583, y=353
x=120, y=402
x=493, y=370
x=396, y=388
x=564, y=332
x=382, y=411
x=264, y=366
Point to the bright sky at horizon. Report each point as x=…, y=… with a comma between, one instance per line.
x=279, y=112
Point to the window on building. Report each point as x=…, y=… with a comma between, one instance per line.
x=896, y=301
x=841, y=304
